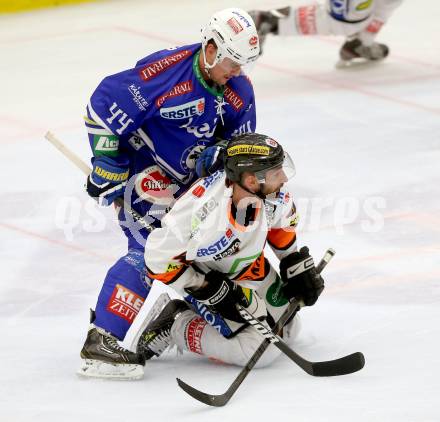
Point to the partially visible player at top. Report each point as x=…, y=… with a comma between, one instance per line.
x=150, y=128
x=358, y=20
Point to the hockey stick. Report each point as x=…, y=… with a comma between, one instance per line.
x=342, y=366
x=347, y=364
x=120, y=202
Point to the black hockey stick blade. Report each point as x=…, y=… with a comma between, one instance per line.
x=342, y=366
x=209, y=399
x=221, y=399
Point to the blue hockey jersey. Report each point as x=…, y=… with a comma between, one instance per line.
x=161, y=114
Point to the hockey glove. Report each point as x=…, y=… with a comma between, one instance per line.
x=108, y=179
x=210, y=160
x=300, y=279
x=221, y=295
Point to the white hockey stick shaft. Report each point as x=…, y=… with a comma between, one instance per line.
x=81, y=164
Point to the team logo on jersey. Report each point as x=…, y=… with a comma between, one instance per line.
x=154, y=186
x=154, y=69
x=190, y=155
x=233, y=99
x=179, y=89
x=248, y=149
x=124, y=303
x=105, y=145
x=182, y=111
x=235, y=25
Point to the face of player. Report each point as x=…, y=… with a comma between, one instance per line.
x=275, y=179
x=222, y=71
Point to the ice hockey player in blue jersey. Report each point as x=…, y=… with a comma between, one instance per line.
x=153, y=130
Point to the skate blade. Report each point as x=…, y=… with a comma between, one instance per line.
x=356, y=64
x=92, y=368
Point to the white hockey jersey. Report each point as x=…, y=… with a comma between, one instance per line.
x=201, y=229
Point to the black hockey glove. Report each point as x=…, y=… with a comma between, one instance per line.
x=221, y=295
x=300, y=279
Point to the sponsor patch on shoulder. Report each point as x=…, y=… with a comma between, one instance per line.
x=154, y=69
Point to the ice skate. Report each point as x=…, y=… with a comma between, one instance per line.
x=103, y=357
x=355, y=53
x=157, y=336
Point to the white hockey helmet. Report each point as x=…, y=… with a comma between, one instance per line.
x=235, y=36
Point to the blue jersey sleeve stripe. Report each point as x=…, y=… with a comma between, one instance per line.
x=96, y=118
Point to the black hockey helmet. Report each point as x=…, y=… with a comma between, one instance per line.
x=255, y=153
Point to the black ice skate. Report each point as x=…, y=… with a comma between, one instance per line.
x=103, y=357
x=354, y=52
x=266, y=22
x=157, y=336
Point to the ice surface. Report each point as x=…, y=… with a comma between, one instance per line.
x=360, y=138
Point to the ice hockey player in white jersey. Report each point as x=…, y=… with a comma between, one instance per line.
x=358, y=20
x=210, y=248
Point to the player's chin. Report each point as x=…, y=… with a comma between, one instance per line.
x=225, y=79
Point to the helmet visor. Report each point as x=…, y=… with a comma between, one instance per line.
x=228, y=65
x=282, y=172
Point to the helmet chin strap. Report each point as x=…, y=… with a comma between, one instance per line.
x=258, y=194
x=208, y=66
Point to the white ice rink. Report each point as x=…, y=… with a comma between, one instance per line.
x=366, y=144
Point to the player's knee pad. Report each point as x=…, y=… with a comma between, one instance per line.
x=249, y=340
x=123, y=293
